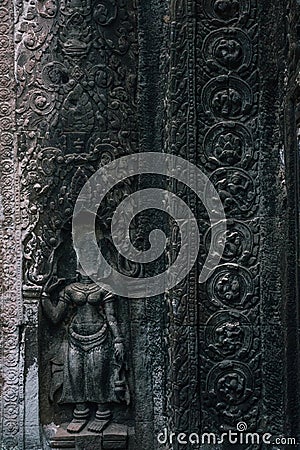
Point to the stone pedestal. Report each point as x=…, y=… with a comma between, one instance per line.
x=114, y=437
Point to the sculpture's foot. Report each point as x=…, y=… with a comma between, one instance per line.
x=76, y=425
x=97, y=425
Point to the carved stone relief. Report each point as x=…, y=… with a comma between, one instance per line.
x=79, y=85
x=11, y=312
x=76, y=111
x=227, y=109
x=92, y=365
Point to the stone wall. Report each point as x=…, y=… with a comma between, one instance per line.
x=82, y=84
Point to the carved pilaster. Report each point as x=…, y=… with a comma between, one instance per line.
x=11, y=431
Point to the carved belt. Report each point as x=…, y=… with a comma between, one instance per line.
x=86, y=343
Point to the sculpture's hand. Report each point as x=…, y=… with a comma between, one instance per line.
x=119, y=351
x=45, y=301
x=53, y=312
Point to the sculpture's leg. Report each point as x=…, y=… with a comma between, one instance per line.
x=102, y=419
x=81, y=415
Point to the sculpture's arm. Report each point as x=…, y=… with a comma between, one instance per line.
x=113, y=324
x=55, y=313
x=111, y=317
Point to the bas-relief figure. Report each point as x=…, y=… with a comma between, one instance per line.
x=94, y=359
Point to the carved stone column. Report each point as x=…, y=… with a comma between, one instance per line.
x=292, y=184
x=225, y=95
x=11, y=319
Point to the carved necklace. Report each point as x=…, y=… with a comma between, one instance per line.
x=86, y=287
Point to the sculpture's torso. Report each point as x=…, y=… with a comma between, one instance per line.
x=89, y=316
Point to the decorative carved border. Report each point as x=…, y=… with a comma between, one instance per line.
x=181, y=140
x=228, y=136
x=10, y=258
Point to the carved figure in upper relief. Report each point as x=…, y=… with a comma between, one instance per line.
x=93, y=369
x=77, y=111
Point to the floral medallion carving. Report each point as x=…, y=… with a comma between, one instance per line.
x=229, y=335
x=228, y=144
x=227, y=97
x=232, y=286
x=228, y=49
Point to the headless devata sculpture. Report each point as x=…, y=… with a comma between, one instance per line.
x=93, y=370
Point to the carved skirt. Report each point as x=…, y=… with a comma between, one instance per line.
x=89, y=369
